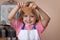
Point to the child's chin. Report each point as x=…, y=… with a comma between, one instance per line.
x=29, y=24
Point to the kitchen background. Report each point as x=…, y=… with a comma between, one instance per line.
x=52, y=8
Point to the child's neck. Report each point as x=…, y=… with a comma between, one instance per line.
x=29, y=25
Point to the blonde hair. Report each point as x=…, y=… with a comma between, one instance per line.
x=29, y=10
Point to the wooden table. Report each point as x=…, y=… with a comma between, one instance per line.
x=2, y=38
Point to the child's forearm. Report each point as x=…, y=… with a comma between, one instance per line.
x=45, y=17
x=13, y=12
x=43, y=14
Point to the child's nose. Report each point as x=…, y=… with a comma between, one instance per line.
x=29, y=18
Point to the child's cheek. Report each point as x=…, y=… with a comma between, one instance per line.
x=33, y=20
x=24, y=19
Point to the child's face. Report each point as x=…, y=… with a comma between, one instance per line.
x=29, y=19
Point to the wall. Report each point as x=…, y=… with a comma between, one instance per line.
x=52, y=8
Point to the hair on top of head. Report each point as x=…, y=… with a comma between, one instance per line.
x=28, y=3
x=27, y=9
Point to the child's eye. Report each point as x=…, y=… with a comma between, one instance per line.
x=25, y=15
x=31, y=16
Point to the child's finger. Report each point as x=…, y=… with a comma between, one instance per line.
x=18, y=4
x=24, y=5
x=21, y=4
x=31, y=5
x=34, y=6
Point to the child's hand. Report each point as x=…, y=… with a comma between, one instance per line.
x=18, y=4
x=22, y=4
x=33, y=5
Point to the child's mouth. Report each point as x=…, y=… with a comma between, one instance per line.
x=28, y=22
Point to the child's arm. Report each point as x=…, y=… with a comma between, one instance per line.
x=13, y=12
x=45, y=19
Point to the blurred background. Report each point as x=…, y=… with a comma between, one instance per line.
x=52, y=8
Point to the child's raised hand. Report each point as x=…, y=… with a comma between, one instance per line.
x=18, y=4
x=33, y=5
x=22, y=4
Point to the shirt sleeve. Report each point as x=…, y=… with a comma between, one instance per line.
x=40, y=27
x=15, y=24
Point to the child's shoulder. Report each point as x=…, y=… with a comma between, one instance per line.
x=39, y=23
x=16, y=23
x=40, y=26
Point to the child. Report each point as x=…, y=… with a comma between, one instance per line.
x=29, y=25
